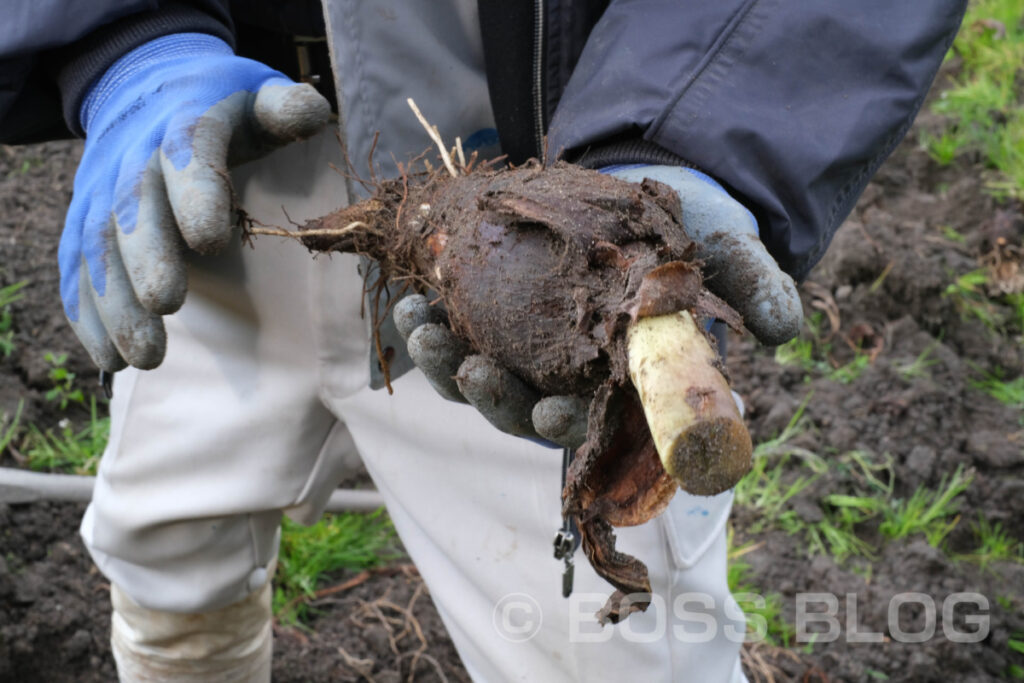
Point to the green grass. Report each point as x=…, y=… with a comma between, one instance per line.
x=805, y=350
x=8, y=295
x=1016, y=303
x=12, y=293
x=343, y=541
x=931, y=512
x=951, y=234
x=860, y=507
x=66, y=449
x=847, y=374
x=765, y=620
x=811, y=353
x=9, y=427
x=26, y=166
x=994, y=545
x=1008, y=392
x=983, y=108
x=977, y=300
x=797, y=351
x=764, y=487
x=919, y=367
x=967, y=292
x=1016, y=645
x=64, y=390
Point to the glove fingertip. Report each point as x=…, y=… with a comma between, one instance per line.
x=776, y=316
x=166, y=299
x=438, y=353
x=561, y=419
x=88, y=327
x=413, y=311
x=501, y=397
x=290, y=111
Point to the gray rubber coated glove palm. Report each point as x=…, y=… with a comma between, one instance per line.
x=737, y=268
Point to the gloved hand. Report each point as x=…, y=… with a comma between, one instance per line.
x=163, y=125
x=737, y=267
x=506, y=401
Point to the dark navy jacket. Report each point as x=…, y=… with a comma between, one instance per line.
x=792, y=104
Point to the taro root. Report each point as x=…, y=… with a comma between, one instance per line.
x=579, y=283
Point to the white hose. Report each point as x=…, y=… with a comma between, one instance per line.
x=23, y=486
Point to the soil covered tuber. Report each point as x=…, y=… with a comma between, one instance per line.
x=575, y=281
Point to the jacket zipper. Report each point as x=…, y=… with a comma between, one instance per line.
x=538, y=72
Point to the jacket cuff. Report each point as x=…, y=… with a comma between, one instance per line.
x=636, y=151
x=84, y=62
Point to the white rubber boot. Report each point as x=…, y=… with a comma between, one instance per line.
x=232, y=644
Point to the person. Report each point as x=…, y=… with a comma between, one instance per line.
x=249, y=398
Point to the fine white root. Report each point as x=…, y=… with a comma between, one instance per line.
x=461, y=154
x=435, y=135
x=697, y=429
x=314, y=232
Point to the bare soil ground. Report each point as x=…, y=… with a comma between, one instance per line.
x=883, y=283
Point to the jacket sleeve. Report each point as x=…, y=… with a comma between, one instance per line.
x=52, y=50
x=792, y=104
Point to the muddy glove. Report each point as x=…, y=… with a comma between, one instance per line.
x=506, y=401
x=738, y=269
x=163, y=125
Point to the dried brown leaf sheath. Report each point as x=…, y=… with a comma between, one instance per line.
x=546, y=270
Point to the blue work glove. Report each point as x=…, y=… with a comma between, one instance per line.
x=737, y=267
x=163, y=125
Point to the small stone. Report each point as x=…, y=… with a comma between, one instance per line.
x=377, y=641
x=921, y=461
x=27, y=588
x=994, y=449
x=78, y=644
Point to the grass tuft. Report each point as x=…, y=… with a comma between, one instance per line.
x=67, y=450
x=350, y=541
x=919, y=367
x=813, y=354
x=64, y=390
x=9, y=427
x=765, y=620
x=983, y=108
x=1008, y=392
x=8, y=295
x=932, y=512
x=847, y=522
x=995, y=544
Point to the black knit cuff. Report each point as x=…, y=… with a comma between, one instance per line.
x=636, y=151
x=85, y=61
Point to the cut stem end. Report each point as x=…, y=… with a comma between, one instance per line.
x=696, y=426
